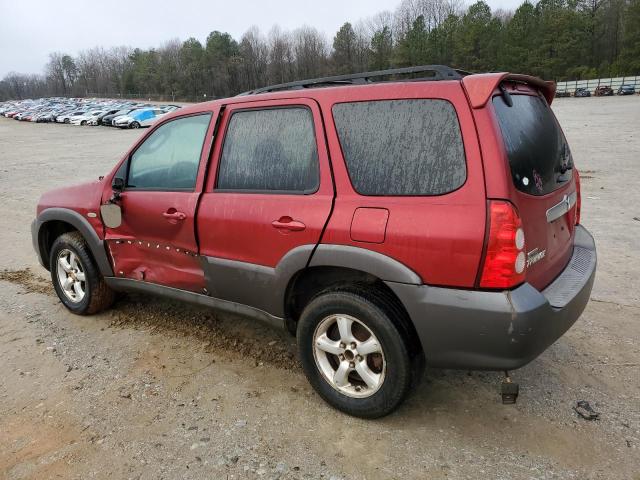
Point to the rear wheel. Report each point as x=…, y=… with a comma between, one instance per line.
x=76, y=278
x=66, y=120
x=83, y=122
x=353, y=354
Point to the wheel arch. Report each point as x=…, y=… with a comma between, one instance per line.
x=53, y=222
x=344, y=267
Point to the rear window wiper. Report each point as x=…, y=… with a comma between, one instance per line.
x=506, y=96
x=565, y=168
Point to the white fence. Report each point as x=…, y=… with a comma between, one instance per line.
x=591, y=85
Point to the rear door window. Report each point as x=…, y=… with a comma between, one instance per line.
x=270, y=150
x=538, y=153
x=401, y=147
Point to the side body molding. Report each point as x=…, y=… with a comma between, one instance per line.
x=264, y=288
x=374, y=263
x=131, y=285
x=96, y=245
x=254, y=285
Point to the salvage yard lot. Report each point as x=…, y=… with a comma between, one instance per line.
x=154, y=389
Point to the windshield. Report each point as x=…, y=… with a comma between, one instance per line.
x=539, y=156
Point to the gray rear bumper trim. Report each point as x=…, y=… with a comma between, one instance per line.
x=504, y=330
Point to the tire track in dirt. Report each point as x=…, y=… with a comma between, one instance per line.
x=235, y=336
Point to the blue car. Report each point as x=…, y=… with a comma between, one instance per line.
x=139, y=118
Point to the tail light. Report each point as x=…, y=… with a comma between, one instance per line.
x=505, y=260
x=578, y=196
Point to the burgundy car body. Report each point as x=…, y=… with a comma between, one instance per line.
x=196, y=241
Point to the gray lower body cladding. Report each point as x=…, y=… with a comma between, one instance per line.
x=465, y=329
x=77, y=221
x=500, y=330
x=35, y=227
x=131, y=285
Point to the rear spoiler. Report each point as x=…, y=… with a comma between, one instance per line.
x=480, y=87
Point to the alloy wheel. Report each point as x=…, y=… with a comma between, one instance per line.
x=71, y=275
x=349, y=356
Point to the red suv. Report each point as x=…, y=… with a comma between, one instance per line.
x=386, y=223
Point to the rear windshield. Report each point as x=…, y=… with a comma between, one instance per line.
x=539, y=156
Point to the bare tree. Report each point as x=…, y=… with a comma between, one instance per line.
x=362, y=50
x=255, y=55
x=55, y=72
x=434, y=12
x=310, y=49
x=119, y=62
x=281, y=67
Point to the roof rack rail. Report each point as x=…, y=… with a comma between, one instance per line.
x=439, y=72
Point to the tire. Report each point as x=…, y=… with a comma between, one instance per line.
x=70, y=258
x=83, y=123
x=391, y=365
x=66, y=120
x=134, y=125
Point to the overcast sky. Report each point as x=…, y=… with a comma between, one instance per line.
x=30, y=29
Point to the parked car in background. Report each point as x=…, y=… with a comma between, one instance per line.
x=603, y=91
x=88, y=116
x=626, y=90
x=78, y=111
x=47, y=116
x=139, y=118
x=581, y=92
x=108, y=120
x=78, y=118
x=562, y=93
x=372, y=220
x=98, y=119
x=67, y=116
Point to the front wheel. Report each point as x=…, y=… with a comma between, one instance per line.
x=134, y=125
x=75, y=276
x=352, y=353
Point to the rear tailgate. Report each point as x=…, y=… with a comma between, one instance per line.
x=543, y=185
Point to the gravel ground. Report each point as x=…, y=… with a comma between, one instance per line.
x=160, y=390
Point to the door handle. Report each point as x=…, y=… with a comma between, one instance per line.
x=173, y=214
x=288, y=223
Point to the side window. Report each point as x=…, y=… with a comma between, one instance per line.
x=169, y=158
x=270, y=150
x=401, y=147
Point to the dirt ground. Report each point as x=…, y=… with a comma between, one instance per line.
x=160, y=390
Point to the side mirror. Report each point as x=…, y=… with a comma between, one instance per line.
x=117, y=184
x=111, y=214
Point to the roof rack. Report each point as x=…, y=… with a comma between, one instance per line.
x=438, y=72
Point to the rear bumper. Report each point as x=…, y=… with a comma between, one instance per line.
x=500, y=330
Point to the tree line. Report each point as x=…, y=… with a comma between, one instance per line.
x=553, y=39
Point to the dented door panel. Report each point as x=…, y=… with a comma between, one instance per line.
x=148, y=246
x=156, y=241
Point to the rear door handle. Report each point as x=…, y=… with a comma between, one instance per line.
x=288, y=223
x=173, y=214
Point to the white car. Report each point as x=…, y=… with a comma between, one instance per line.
x=66, y=117
x=86, y=118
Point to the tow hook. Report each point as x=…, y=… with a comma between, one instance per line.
x=509, y=390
